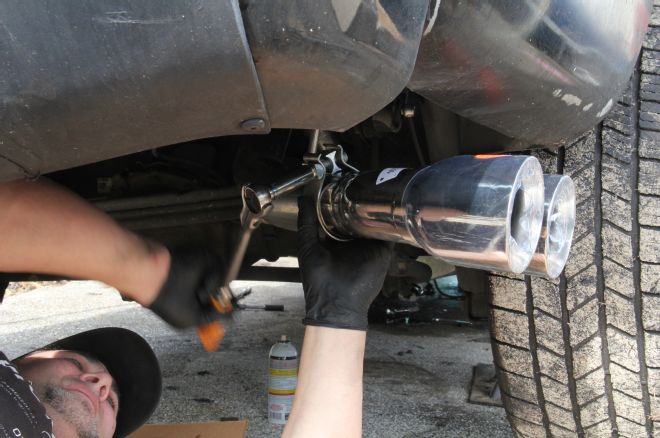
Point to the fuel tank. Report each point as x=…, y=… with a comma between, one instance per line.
x=543, y=71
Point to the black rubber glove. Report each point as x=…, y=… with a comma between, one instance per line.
x=184, y=300
x=340, y=279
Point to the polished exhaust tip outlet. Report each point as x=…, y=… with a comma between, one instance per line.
x=484, y=212
x=488, y=211
x=554, y=244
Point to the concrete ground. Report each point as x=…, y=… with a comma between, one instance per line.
x=416, y=377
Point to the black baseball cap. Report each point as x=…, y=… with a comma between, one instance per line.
x=132, y=364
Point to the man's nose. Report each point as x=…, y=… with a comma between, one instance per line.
x=101, y=383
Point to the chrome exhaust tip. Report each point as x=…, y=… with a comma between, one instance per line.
x=554, y=244
x=481, y=211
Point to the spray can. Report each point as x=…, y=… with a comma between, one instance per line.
x=282, y=380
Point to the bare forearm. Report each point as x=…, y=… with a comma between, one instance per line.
x=49, y=230
x=328, y=399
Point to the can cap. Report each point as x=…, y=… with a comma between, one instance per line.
x=284, y=338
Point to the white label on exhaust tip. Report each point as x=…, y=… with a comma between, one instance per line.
x=388, y=174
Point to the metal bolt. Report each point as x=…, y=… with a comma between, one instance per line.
x=408, y=111
x=256, y=124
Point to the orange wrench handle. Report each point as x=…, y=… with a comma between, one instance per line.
x=211, y=335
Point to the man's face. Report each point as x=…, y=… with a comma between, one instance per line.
x=78, y=392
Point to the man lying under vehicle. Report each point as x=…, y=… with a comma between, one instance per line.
x=46, y=229
x=100, y=383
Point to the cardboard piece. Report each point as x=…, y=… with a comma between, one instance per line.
x=213, y=429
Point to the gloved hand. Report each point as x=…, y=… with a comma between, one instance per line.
x=340, y=279
x=183, y=301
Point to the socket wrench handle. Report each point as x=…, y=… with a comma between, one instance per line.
x=258, y=199
x=257, y=203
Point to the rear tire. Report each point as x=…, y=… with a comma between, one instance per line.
x=580, y=356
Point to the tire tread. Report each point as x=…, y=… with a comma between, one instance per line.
x=591, y=341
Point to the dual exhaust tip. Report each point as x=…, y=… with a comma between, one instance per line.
x=493, y=212
x=554, y=244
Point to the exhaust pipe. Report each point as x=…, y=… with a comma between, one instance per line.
x=557, y=232
x=483, y=212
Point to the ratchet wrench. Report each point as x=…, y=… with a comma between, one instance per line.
x=257, y=203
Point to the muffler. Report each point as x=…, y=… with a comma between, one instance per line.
x=482, y=211
x=554, y=244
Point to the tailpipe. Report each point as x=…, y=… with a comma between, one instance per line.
x=554, y=244
x=483, y=212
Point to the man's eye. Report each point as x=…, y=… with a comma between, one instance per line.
x=112, y=403
x=76, y=363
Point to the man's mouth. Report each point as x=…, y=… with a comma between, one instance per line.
x=89, y=398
